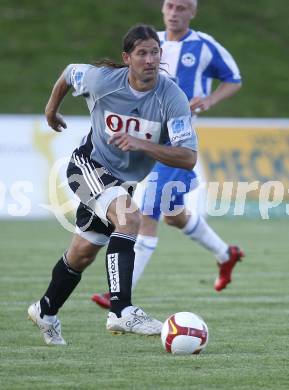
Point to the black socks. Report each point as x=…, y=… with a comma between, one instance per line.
x=119, y=265
x=63, y=282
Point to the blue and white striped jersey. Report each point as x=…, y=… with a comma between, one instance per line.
x=195, y=60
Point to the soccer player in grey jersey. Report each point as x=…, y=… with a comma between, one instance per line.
x=194, y=59
x=134, y=112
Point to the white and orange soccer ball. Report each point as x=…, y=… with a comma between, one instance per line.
x=184, y=333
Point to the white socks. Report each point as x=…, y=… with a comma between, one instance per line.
x=197, y=229
x=144, y=248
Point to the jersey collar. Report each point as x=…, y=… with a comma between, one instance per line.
x=183, y=37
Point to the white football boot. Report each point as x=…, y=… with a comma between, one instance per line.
x=51, y=330
x=133, y=320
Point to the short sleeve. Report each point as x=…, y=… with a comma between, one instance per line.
x=75, y=76
x=222, y=65
x=179, y=120
x=86, y=80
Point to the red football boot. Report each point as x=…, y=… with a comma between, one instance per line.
x=102, y=300
x=225, y=269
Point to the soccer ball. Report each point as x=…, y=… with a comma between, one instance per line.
x=184, y=333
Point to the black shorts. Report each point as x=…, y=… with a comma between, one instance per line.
x=88, y=179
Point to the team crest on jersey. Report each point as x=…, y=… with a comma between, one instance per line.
x=188, y=59
x=137, y=127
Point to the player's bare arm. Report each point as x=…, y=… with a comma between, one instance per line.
x=223, y=91
x=180, y=157
x=54, y=119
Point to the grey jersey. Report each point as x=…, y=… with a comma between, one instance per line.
x=160, y=116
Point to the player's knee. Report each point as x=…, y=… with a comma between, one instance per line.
x=148, y=226
x=136, y=221
x=170, y=220
x=130, y=223
x=178, y=220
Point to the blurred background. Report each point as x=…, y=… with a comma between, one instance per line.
x=39, y=38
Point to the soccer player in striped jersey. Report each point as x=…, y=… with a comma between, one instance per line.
x=137, y=116
x=193, y=59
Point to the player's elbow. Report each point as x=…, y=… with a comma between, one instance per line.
x=191, y=160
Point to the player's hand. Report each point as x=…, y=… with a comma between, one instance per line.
x=125, y=142
x=55, y=121
x=199, y=104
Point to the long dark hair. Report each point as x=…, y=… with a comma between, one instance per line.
x=132, y=38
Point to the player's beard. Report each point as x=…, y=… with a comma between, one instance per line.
x=150, y=77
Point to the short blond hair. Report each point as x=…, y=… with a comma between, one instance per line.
x=193, y=2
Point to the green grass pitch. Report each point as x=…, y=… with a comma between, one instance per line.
x=248, y=322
